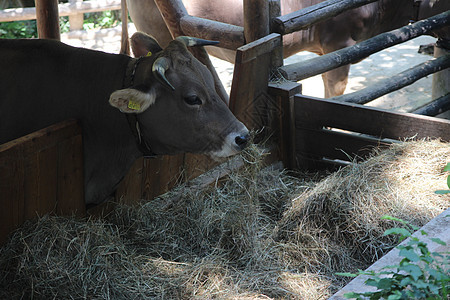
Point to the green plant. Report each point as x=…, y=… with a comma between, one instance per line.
x=105, y=19
x=421, y=274
x=447, y=168
x=18, y=29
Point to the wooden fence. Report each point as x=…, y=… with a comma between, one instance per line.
x=41, y=173
x=74, y=9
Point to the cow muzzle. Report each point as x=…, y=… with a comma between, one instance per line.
x=234, y=143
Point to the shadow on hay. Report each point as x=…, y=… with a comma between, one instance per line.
x=260, y=233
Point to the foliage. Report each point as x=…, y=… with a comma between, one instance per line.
x=104, y=19
x=18, y=29
x=421, y=274
x=447, y=168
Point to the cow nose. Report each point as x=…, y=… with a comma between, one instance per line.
x=242, y=141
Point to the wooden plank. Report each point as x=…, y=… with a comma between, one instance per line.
x=40, y=171
x=314, y=112
x=324, y=63
x=197, y=164
x=129, y=191
x=47, y=17
x=40, y=184
x=43, y=138
x=12, y=174
x=70, y=182
x=249, y=96
x=160, y=174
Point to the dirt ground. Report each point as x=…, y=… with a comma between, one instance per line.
x=378, y=66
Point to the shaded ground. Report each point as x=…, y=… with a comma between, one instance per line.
x=378, y=66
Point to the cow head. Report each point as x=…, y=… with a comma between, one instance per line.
x=176, y=106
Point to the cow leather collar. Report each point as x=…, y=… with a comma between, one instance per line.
x=132, y=119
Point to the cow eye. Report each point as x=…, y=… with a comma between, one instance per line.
x=193, y=100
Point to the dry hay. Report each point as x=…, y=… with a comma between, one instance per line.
x=262, y=233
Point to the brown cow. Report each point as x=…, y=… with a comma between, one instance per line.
x=341, y=31
x=163, y=102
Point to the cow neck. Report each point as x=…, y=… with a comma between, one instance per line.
x=132, y=119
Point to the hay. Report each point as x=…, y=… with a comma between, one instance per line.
x=262, y=233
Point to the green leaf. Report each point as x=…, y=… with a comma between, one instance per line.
x=413, y=270
x=371, y=282
x=406, y=281
x=351, y=295
x=402, y=231
x=410, y=254
x=347, y=274
x=438, y=241
x=394, y=297
x=447, y=167
x=385, y=283
x=387, y=217
x=442, y=192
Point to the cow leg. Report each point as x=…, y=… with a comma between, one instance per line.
x=335, y=81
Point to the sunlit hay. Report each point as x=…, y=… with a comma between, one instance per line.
x=260, y=233
x=338, y=223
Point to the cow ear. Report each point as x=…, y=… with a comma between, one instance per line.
x=142, y=44
x=132, y=100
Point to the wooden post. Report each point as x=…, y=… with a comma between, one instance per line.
x=76, y=20
x=284, y=120
x=276, y=58
x=256, y=19
x=441, y=80
x=47, y=17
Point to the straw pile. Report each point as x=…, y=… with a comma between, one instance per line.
x=262, y=233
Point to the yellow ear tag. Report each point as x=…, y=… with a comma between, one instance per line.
x=134, y=105
x=149, y=53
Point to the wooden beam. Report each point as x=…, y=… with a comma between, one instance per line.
x=65, y=9
x=256, y=19
x=229, y=36
x=317, y=113
x=324, y=63
x=172, y=11
x=327, y=131
x=308, y=16
x=47, y=17
x=435, y=107
x=396, y=82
